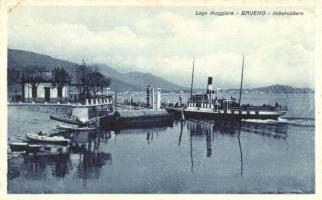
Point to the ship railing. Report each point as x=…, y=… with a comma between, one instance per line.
x=264, y=108
x=259, y=108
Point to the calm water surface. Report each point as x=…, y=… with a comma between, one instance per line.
x=184, y=157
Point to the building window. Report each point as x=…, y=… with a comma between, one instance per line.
x=59, y=92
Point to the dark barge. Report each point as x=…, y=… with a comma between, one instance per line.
x=136, y=119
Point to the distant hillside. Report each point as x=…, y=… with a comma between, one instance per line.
x=19, y=59
x=143, y=79
x=133, y=81
x=138, y=81
x=276, y=89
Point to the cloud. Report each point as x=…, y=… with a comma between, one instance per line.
x=278, y=50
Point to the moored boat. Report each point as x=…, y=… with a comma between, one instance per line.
x=210, y=106
x=74, y=128
x=18, y=146
x=39, y=149
x=34, y=147
x=69, y=120
x=253, y=112
x=46, y=139
x=137, y=118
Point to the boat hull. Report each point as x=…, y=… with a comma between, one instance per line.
x=18, y=146
x=46, y=140
x=69, y=128
x=226, y=115
x=137, y=119
x=68, y=121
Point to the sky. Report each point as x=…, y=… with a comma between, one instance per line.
x=164, y=40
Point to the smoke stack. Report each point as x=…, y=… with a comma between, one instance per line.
x=209, y=86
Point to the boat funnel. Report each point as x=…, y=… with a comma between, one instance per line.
x=209, y=85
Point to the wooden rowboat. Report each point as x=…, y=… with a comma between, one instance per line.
x=74, y=128
x=69, y=121
x=47, y=139
x=18, y=146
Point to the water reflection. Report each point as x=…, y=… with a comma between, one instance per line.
x=231, y=128
x=241, y=153
x=135, y=125
x=150, y=135
x=85, y=146
x=191, y=154
x=90, y=165
x=209, y=129
x=182, y=123
x=35, y=166
x=85, y=160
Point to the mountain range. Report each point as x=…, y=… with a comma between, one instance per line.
x=130, y=81
x=276, y=89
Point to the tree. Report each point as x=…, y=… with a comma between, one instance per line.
x=34, y=75
x=60, y=77
x=97, y=82
x=82, y=81
x=90, y=82
x=14, y=76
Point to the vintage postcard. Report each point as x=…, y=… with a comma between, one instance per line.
x=150, y=97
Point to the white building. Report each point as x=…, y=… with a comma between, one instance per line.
x=45, y=93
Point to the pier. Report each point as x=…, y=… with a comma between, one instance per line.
x=107, y=112
x=130, y=116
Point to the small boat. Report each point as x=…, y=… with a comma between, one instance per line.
x=19, y=138
x=74, y=128
x=53, y=132
x=18, y=146
x=47, y=139
x=53, y=149
x=34, y=147
x=75, y=121
x=23, y=146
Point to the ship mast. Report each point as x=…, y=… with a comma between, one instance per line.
x=193, y=70
x=241, y=81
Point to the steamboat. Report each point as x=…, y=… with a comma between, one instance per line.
x=210, y=106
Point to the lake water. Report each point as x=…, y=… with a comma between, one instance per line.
x=253, y=156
